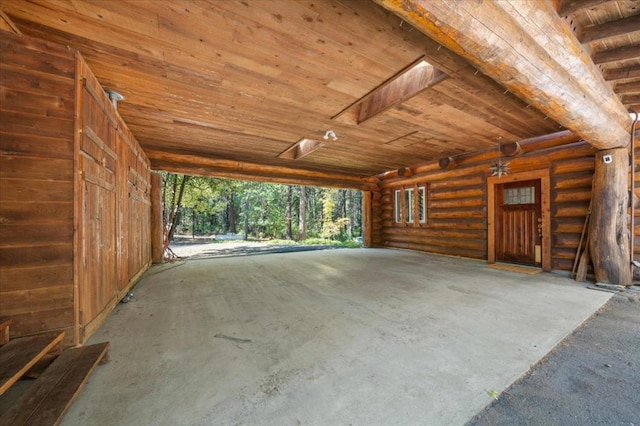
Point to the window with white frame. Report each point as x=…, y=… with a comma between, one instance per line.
x=422, y=204
x=408, y=204
x=398, y=204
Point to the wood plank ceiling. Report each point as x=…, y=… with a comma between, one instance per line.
x=245, y=80
x=610, y=31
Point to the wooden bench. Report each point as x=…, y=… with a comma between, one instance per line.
x=51, y=395
x=19, y=355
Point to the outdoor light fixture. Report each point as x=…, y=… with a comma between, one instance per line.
x=114, y=96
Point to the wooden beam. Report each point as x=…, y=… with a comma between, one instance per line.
x=625, y=88
x=448, y=163
x=613, y=74
x=400, y=88
x=157, y=223
x=526, y=47
x=611, y=29
x=569, y=7
x=615, y=55
x=608, y=229
x=206, y=166
x=407, y=83
x=631, y=99
x=512, y=149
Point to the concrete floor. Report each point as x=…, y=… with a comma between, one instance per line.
x=354, y=336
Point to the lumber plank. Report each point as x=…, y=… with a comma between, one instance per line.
x=19, y=355
x=49, y=398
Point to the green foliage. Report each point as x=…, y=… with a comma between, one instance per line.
x=219, y=206
x=331, y=227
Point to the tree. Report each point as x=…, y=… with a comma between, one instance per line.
x=288, y=218
x=302, y=215
x=173, y=219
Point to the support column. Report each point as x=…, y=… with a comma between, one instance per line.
x=608, y=227
x=157, y=225
x=366, y=219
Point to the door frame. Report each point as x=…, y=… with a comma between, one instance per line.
x=545, y=211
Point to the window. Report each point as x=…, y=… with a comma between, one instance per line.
x=408, y=205
x=422, y=204
x=526, y=195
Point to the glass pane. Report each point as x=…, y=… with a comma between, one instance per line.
x=525, y=195
x=409, y=205
x=422, y=208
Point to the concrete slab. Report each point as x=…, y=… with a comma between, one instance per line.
x=353, y=336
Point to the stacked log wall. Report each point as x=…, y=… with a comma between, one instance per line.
x=457, y=201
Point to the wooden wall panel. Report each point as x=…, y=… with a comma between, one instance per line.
x=114, y=207
x=36, y=185
x=457, y=202
x=74, y=194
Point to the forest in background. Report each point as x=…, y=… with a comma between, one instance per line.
x=206, y=206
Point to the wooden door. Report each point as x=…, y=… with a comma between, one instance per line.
x=97, y=286
x=519, y=222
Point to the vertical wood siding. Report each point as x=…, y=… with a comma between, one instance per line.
x=36, y=185
x=51, y=181
x=114, y=205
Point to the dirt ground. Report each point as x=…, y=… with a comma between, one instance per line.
x=591, y=378
x=203, y=247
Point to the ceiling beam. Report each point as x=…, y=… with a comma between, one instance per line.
x=526, y=47
x=568, y=7
x=611, y=29
x=626, y=88
x=199, y=165
x=620, y=54
x=613, y=74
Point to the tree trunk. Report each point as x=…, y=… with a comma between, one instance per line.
x=608, y=227
x=288, y=213
x=302, y=215
x=349, y=212
x=194, y=219
x=174, y=213
x=231, y=208
x=246, y=219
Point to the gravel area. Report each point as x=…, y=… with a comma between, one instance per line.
x=591, y=378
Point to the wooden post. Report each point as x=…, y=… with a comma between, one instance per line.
x=366, y=219
x=608, y=232
x=157, y=225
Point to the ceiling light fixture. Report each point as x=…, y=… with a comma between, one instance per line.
x=330, y=133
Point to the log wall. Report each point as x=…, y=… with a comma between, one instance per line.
x=457, y=201
x=67, y=162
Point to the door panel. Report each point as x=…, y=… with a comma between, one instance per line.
x=518, y=230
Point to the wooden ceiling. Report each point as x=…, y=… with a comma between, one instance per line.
x=212, y=82
x=610, y=32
